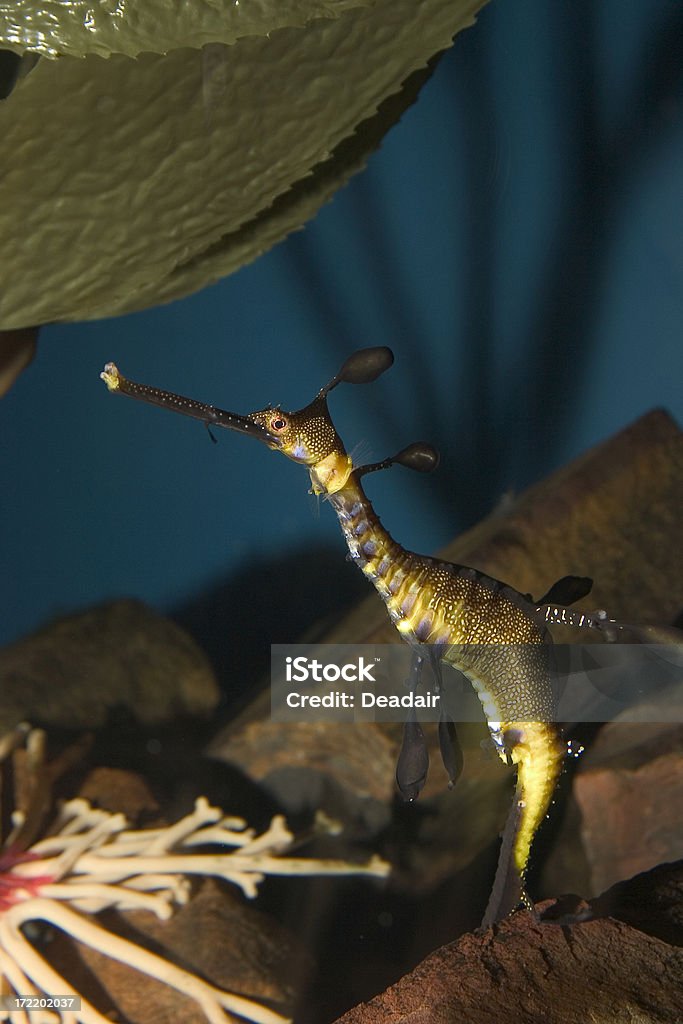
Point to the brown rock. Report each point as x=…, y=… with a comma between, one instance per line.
x=121, y=655
x=631, y=820
x=528, y=971
x=624, y=812
x=17, y=349
x=349, y=771
x=651, y=902
x=117, y=790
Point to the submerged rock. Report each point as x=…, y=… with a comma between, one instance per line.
x=526, y=970
x=121, y=657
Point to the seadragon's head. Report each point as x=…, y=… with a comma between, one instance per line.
x=307, y=436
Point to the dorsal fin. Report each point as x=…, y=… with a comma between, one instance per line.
x=567, y=590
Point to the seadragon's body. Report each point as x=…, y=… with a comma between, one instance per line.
x=492, y=633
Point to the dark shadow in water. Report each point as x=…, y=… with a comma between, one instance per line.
x=608, y=160
x=274, y=601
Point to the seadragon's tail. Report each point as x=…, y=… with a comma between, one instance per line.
x=538, y=751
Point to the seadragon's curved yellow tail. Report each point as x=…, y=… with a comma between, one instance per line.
x=538, y=751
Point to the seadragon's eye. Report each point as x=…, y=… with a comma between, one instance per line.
x=278, y=424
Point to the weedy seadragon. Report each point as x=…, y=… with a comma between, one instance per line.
x=495, y=635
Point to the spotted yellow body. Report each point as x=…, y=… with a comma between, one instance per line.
x=489, y=632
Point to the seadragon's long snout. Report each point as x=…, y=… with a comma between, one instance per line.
x=208, y=414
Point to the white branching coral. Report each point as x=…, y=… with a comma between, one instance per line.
x=94, y=861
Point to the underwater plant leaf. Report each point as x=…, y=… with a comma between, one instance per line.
x=167, y=172
x=76, y=28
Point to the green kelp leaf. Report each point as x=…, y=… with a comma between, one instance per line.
x=128, y=182
x=76, y=28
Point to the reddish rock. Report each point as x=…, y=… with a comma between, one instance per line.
x=630, y=818
x=528, y=971
x=116, y=789
x=623, y=814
